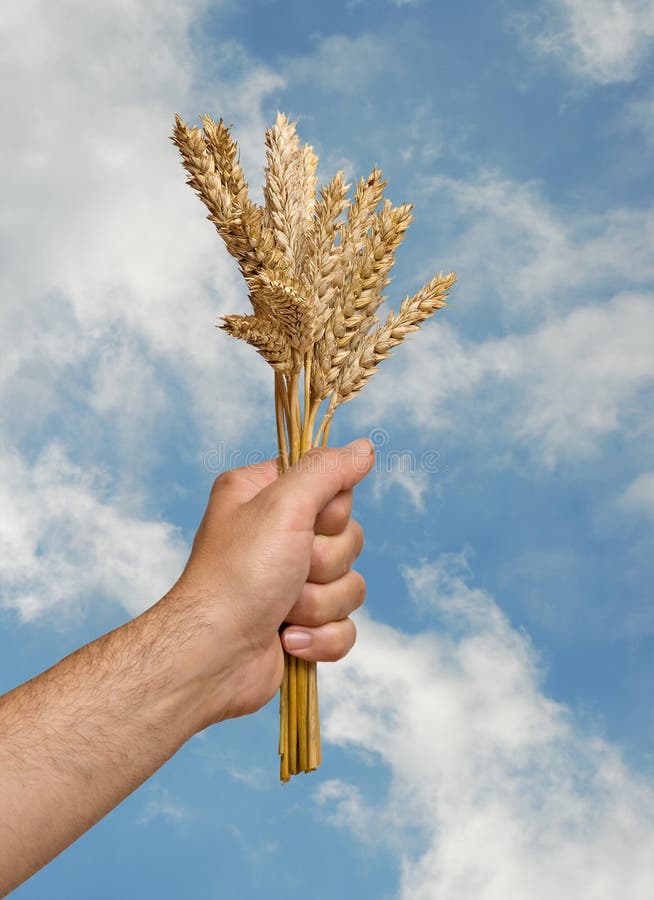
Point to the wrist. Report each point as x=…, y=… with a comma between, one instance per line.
x=194, y=669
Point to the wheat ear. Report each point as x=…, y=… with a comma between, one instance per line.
x=363, y=361
x=264, y=336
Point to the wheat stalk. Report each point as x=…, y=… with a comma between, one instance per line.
x=315, y=283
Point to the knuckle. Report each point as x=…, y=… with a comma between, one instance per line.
x=313, y=617
x=355, y=537
x=321, y=459
x=310, y=606
x=359, y=589
x=344, y=508
x=321, y=553
x=313, y=460
x=348, y=637
x=338, y=514
x=313, y=453
x=225, y=480
x=344, y=641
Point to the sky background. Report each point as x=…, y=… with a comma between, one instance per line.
x=491, y=735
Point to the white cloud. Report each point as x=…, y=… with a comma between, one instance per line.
x=104, y=241
x=341, y=63
x=639, y=114
x=413, y=483
x=254, y=777
x=510, y=241
x=601, y=41
x=65, y=543
x=494, y=790
x=582, y=375
x=162, y=806
x=638, y=498
x=111, y=283
x=423, y=136
x=353, y=4
x=559, y=389
x=573, y=368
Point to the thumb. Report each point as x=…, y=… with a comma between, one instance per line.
x=319, y=476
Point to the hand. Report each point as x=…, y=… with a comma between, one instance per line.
x=272, y=554
x=81, y=736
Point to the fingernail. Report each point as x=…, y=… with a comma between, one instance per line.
x=297, y=640
x=361, y=447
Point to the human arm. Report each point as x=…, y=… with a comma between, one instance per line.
x=77, y=739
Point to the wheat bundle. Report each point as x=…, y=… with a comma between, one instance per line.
x=316, y=267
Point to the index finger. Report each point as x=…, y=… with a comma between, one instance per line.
x=334, y=517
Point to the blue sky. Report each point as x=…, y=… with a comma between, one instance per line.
x=491, y=734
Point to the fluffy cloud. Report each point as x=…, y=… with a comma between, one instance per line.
x=66, y=542
x=494, y=790
x=105, y=244
x=558, y=389
x=162, y=806
x=509, y=241
x=582, y=374
x=575, y=362
x=341, y=63
x=639, y=115
x=638, y=498
x=601, y=41
x=412, y=482
x=111, y=283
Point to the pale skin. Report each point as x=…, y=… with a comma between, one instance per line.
x=271, y=566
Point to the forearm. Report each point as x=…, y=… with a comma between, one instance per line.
x=77, y=739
